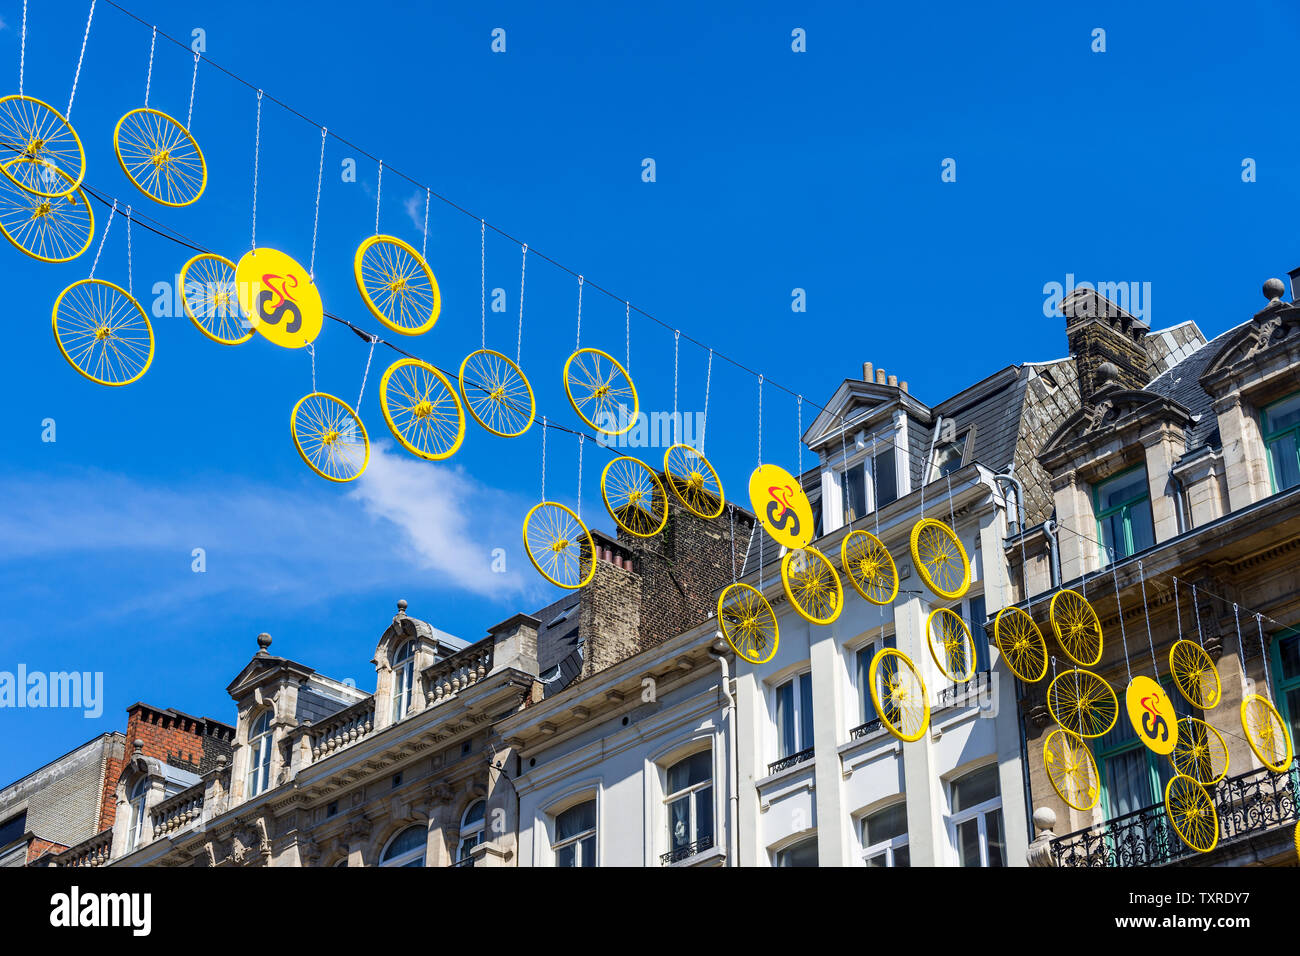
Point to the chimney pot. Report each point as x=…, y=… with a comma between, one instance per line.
x=880, y=376
x=903, y=386
x=868, y=374
x=893, y=380
x=1295, y=283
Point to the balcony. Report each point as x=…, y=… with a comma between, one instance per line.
x=1247, y=805
x=686, y=851
x=865, y=730
x=93, y=852
x=343, y=729
x=457, y=672
x=786, y=762
x=967, y=694
x=177, y=812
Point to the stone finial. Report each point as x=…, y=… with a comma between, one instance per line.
x=263, y=642
x=1274, y=289
x=1107, y=373
x=221, y=761
x=401, y=608
x=1040, y=849
x=137, y=747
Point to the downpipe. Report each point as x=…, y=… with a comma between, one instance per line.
x=733, y=823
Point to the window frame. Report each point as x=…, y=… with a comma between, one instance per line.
x=593, y=833
x=466, y=831
x=797, y=703
x=887, y=847
x=138, y=800
x=1270, y=439
x=1099, y=516
x=407, y=857
x=884, y=637
x=865, y=461
x=1283, y=686
x=797, y=842
x=691, y=792
x=963, y=442
x=978, y=812
x=261, y=749
x=403, y=666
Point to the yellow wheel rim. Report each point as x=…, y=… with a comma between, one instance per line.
x=748, y=623
x=50, y=230
x=1076, y=627
x=1192, y=813
x=951, y=644
x=397, y=285
x=598, y=386
x=869, y=567
x=1195, y=674
x=330, y=437
x=1200, y=752
x=899, y=695
x=1265, y=732
x=1071, y=769
x=208, y=291
x=559, y=545
x=693, y=481
x=940, y=558
x=160, y=156
x=811, y=585
x=1021, y=644
x=421, y=409
x=634, y=497
x=1082, y=702
x=102, y=332
x=44, y=144
x=497, y=393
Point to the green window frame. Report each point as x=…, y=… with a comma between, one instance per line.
x=1285, y=674
x=1135, y=519
x=1282, y=442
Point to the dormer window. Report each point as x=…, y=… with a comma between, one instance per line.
x=403, y=678
x=949, y=456
x=1282, y=435
x=871, y=482
x=139, y=795
x=1123, y=505
x=259, y=754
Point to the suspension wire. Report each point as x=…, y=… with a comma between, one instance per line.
x=374, y=340
x=1119, y=607
x=875, y=495
x=543, y=457
x=677, y=432
x=760, y=421
x=103, y=238
x=627, y=354
x=148, y=80
x=424, y=243
x=704, y=422
x=1200, y=636
x=22, y=51
x=577, y=345
x=798, y=413
x=257, y=155
x=523, y=269
x=194, y=81
x=482, y=280
x=1263, y=653
x=731, y=517
x=952, y=515
x=311, y=350
x=77, y=76
x=130, y=280
x=580, y=444
x=379, y=191
x=1146, y=614
x=1178, y=610
x=320, y=175
x=1241, y=645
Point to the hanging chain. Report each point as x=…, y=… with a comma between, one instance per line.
x=148, y=80
x=320, y=175
x=482, y=280
x=1263, y=653
x=708, y=380
x=1150, y=641
x=1119, y=607
x=544, y=429
x=1200, y=637
x=107, y=226
x=77, y=76
x=760, y=436
x=130, y=281
x=365, y=375
x=627, y=319
x=311, y=350
x=1178, y=611
x=798, y=412
x=257, y=154
x=22, y=51
x=424, y=243
x=579, y=476
x=677, y=338
x=519, y=343
x=875, y=498
x=1241, y=646
x=379, y=191
x=194, y=80
x=578, y=338
x=952, y=516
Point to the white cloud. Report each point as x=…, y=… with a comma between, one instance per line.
x=414, y=206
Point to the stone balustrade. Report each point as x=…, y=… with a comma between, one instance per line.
x=178, y=812
x=93, y=852
x=459, y=671
x=343, y=729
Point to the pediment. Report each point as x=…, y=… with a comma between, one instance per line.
x=1109, y=412
x=263, y=668
x=1272, y=331
x=856, y=401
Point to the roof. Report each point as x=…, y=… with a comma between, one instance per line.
x=557, y=639
x=1181, y=383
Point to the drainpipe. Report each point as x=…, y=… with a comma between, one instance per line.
x=1020, y=496
x=733, y=756
x=1179, y=511
x=929, y=459
x=1049, y=530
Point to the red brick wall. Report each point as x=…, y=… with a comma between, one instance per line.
x=38, y=847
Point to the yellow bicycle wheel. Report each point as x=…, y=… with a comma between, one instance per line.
x=44, y=144
x=869, y=567
x=559, y=545
x=693, y=480
x=102, y=332
x=1266, y=733
x=951, y=644
x=748, y=623
x=1192, y=813
x=1195, y=674
x=1076, y=627
x=1021, y=644
x=811, y=585
x=634, y=497
x=421, y=409
x=49, y=230
x=1200, y=752
x=940, y=559
x=600, y=391
x=1082, y=702
x=497, y=393
x=330, y=437
x=1071, y=769
x=397, y=285
x=899, y=695
x=160, y=156
x=208, y=291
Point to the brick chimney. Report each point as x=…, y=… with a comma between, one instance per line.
x=609, y=607
x=1106, y=343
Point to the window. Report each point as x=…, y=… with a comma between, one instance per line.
x=876, y=473
x=976, y=615
x=803, y=853
x=1123, y=506
x=471, y=829
x=139, y=796
x=1282, y=436
x=884, y=837
x=867, y=710
x=690, y=805
x=403, y=678
x=575, y=836
x=405, y=849
x=259, y=754
x=794, y=716
x=948, y=457
x=1132, y=777
x=975, y=826
x=13, y=829
x=1286, y=668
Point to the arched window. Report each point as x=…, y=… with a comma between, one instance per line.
x=403, y=678
x=471, y=828
x=259, y=754
x=405, y=849
x=139, y=793
x=689, y=803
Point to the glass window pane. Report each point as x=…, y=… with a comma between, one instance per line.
x=1128, y=783
x=679, y=822
x=588, y=851
x=868, y=709
x=1122, y=490
x=885, y=824
x=408, y=840
x=880, y=859
x=886, y=479
x=567, y=855
x=1286, y=464
x=1289, y=650
x=1282, y=415
x=805, y=711
x=979, y=636
x=1291, y=712
x=1140, y=527
x=902, y=856
x=974, y=788
x=801, y=854
x=785, y=719
x=704, y=813
x=968, y=843
x=575, y=820
x=474, y=813
x=855, y=493
x=993, y=831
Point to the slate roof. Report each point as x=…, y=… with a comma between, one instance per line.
x=1182, y=384
x=557, y=642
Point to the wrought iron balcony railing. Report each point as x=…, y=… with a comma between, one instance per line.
x=964, y=694
x=790, y=761
x=865, y=730
x=686, y=851
x=464, y=861
x=1248, y=804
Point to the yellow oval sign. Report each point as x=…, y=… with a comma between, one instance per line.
x=1152, y=715
x=781, y=506
x=278, y=298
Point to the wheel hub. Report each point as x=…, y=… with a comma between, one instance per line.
x=330, y=437
x=161, y=157
x=423, y=409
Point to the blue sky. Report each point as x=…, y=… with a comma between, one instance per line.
x=775, y=170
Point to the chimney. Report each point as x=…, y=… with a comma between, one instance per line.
x=868, y=375
x=903, y=386
x=514, y=643
x=880, y=376
x=1107, y=344
x=1295, y=275
x=893, y=381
